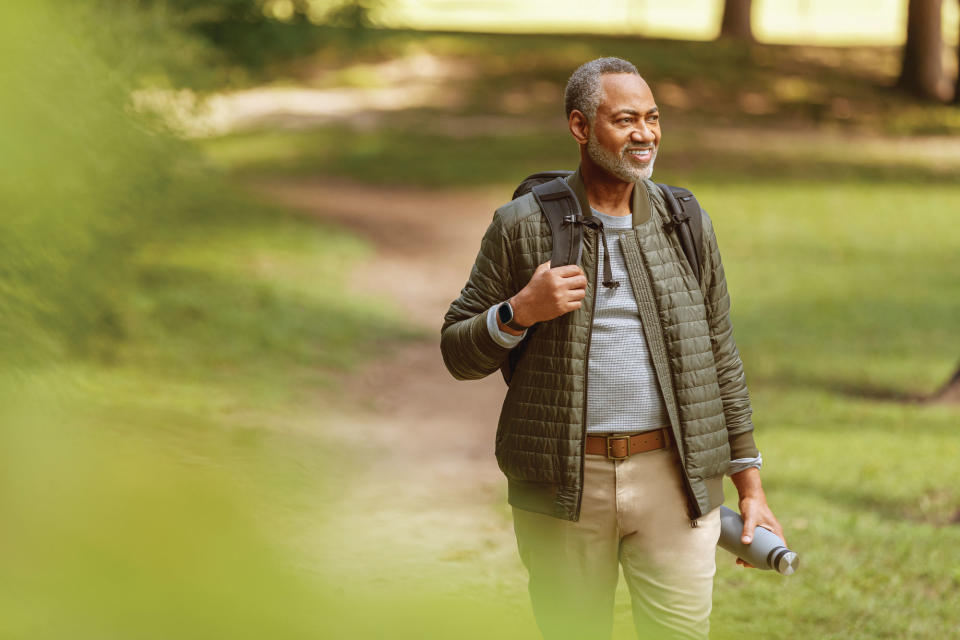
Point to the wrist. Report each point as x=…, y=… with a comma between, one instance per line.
x=520, y=312
x=748, y=483
x=506, y=320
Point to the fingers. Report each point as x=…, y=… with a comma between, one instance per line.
x=552, y=292
x=749, y=524
x=777, y=529
x=568, y=278
x=578, y=293
x=571, y=301
x=744, y=563
x=770, y=524
x=575, y=282
x=567, y=271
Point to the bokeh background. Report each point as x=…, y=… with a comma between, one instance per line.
x=230, y=230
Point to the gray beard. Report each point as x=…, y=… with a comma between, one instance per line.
x=619, y=166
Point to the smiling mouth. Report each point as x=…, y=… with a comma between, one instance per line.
x=641, y=154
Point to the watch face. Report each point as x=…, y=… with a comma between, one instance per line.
x=505, y=313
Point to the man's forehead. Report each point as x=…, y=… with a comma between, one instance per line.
x=626, y=91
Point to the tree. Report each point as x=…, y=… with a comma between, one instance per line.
x=956, y=91
x=736, y=20
x=922, y=68
x=950, y=392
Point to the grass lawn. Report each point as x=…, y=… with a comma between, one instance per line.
x=844, y=308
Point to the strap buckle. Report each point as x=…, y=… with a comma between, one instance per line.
x=610, y=442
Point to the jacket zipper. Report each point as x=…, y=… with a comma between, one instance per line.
x=688, y=490
x=586, y=382
x=691, y=500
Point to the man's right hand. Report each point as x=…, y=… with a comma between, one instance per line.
x=549, y=294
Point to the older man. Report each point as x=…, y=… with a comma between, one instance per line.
x=628, y=403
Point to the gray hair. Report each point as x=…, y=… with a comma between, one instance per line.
x=584, y=90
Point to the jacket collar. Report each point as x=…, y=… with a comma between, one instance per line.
x=640, y=205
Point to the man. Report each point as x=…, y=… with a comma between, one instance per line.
x=628, y=403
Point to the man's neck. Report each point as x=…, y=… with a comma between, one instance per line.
x=605, y=192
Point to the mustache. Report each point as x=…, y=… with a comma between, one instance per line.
x=638, y=147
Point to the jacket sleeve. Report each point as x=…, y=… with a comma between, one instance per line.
x=730, y=375
x=469, y=351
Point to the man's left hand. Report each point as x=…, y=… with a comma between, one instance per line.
x=754, y=508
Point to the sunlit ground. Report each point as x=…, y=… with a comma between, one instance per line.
x=823, y=22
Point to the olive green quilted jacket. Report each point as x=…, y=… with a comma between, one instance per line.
x=540, y=436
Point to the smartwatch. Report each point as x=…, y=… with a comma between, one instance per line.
x=505, y=314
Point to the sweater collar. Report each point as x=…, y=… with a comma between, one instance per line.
x=640, y=205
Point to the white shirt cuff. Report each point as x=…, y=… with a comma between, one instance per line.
x=742, y=464
x=502, y=338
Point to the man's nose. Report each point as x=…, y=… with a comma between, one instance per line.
x=643, y=133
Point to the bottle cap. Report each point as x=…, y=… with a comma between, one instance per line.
x=786, y=563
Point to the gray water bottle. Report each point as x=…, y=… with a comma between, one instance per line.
x=766, y=551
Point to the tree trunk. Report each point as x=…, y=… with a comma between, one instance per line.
x=736, y=20
x=956, y=91
x=950, y=392
x=922, y=68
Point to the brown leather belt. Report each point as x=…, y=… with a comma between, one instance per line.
x=617, y=447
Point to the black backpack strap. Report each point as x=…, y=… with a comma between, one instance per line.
x=687, y=220
x=559, y=204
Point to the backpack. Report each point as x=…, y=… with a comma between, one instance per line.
x=562, y=209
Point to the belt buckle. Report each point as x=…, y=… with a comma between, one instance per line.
x=610, y=440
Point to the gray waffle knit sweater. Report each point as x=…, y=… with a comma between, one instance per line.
x=622, y=391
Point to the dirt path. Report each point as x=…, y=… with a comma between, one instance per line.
x=427, y=479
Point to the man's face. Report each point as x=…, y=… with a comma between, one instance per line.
x=625, y=134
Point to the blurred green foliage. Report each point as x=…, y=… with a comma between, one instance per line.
x=157, y=326
x=85, y=184
x=254, y=33
x=95, y=193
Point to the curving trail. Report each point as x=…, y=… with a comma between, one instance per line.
x=423, y=495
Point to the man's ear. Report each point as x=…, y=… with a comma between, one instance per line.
x=579, y=126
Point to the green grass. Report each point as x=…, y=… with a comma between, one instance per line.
x=258, y=295
x=846, y=302
x=386, y=156
x=846, y=271
x=845, y=310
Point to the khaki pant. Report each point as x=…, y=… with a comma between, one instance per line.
x=633, y=513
